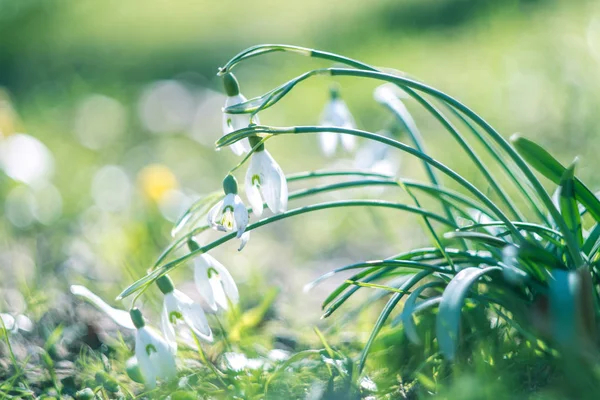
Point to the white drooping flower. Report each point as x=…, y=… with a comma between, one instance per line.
x=120, y=317
x=234, y=122
x=178, y=308
x=377, y=157
x=153, y=353
x=214, y=283
x=230, y=214
x=266, y=182
x=336, y=113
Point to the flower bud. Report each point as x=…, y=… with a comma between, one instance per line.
x=137, y=318
x=230, y=184
x=165, y=284
x=255, y=140
x=232, y=87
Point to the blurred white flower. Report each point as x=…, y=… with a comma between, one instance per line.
x=167, y=107
x=100, y=120
x=120, y=317
x=214, y=283
x=112, y=188
x=179, y=308
x=265, y=180
x=26, y=159
x=377, y=157
x=153, y=353
x=337, y=114
x=234, y=122
x=21, y=322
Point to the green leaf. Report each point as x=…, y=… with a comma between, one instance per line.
x=409, y=310
x=385, y=314
x=564, y=288
x=548, y=166
x=448, y=318
x=478, y=237
x=568, y=203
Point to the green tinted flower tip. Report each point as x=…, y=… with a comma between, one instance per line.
x=165, y=284
x=254, y=141
x=137, y=318
x=230, y=184
x=232, y=87
x=334, y=91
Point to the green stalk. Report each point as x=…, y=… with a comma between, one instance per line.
x=242, y=133
x=371, y=72
x=504, y=165
x=158, y=272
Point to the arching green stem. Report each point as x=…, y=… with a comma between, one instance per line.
x=160, y=271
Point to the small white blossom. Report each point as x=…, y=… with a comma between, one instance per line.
x=214, y=283
x=153, y=353
x=120, y=317
x=230, y=214
x=234, y=122
x=265, y=181
x=336, y=113
x=178, y=309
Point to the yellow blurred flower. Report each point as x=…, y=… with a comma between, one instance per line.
x=156, y=180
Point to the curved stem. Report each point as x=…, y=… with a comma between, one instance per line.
x=157, y=273
x=372, y=72
x=242, y=133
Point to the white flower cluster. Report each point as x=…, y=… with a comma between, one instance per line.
x=265, y=183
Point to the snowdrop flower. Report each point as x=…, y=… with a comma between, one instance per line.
x=153, y=353
x=179, y=308
x=230, y=214
x=377, y=157
x=14, y=324
x=233, y=122
x=336, y=114
x=120, y=317
x=265, y=180
x=214, y=283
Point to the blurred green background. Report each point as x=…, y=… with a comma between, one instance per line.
x=124, y=98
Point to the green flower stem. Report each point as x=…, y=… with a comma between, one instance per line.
x=385, y=180
x=242, y=133
x=158, y=272
x=467, y=149
x=419, y=144
x=371, y=72
x=433, y=191
x=515, y=176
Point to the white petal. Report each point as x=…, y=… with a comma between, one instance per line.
x=212, y=214
x=119, y=316
x=328, y=142
x=274, y=181
x=162, y=362
x=194, y=317
x=168, y=330
x=24, y=323
x=219, y=292
x=8, y=321
x=240, y=213
x=146, y=367
x=348, y=141
x=229, y=286
x=201, y=266
x=240, y=147
x=167, y=326
x=243, y=240
x=252, y=192
x=234, y=122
